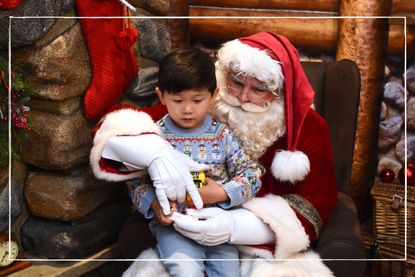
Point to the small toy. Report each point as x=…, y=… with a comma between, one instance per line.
x=198, y=179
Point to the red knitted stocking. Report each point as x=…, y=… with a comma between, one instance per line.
x=109, y=43
x=9, y=4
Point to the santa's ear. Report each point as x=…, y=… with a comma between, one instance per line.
x=160, y=95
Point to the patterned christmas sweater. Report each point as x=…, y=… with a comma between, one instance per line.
x=212, y=144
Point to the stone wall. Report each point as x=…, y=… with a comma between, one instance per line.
x=70, y=214
x=391, y=129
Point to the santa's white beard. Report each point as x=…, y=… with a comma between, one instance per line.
x=257, y=127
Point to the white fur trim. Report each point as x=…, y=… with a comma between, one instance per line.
x=302, y=264
x=149, y=265
x=248, y=264
x=290, y=166
x=299, y=265
x=242, y=58
x=255, y=252
x=120, y=122
x=146, y=266
x=291, y=237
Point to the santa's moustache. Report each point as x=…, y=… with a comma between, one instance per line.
x=256, y=126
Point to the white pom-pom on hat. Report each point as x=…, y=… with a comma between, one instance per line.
x=290, y=166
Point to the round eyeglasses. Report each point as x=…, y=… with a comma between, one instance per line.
x=256, y=97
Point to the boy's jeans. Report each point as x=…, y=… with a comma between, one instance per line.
x=181, y=255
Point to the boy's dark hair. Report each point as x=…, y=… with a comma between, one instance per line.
x=184, y=69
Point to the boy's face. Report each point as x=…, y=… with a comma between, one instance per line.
x=189, y=107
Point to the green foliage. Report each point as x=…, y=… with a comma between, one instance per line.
x=20, y=125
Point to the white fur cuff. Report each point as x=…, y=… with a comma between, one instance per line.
x=290, y=166
x=275, y=211
x=119, y=123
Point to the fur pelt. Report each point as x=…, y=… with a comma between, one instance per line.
x=306, y=264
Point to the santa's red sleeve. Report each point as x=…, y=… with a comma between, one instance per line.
x=122, y=120
x=297, y=212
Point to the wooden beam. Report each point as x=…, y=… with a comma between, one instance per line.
x=403, y=6
x=396, y=39
x=398, y=6
x=55, y=269
x=315, y=5
x=310, y=33
x=364, y=41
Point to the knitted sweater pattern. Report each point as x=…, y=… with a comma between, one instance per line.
x=212, y=144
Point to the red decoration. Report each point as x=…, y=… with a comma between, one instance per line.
x=410, y=174
x=19, y=109
x=9, y=4
x=125, y=39
x=113, y=63
x=387, y=175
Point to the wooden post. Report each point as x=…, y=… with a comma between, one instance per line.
x=178, y=28
x=364, y=41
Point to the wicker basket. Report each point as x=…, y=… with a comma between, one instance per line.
x=389, y=220
x=377, y=268
x=389, y=269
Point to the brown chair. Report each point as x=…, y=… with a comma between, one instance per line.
x=337, y=88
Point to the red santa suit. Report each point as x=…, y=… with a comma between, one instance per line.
x=298, y=189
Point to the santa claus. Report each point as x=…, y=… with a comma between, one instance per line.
x=266, y=99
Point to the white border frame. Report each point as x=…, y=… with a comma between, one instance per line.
x=207, y=17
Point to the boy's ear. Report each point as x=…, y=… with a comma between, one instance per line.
x=215, y=94
x=160, y=95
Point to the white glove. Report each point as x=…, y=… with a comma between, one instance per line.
x=238, y=226
x=168, y=168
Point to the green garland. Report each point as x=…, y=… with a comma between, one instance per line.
x=21, y=125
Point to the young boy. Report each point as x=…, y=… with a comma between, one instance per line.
x=187, y=86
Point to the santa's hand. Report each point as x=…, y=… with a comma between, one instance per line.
x=215, y=230
x=170, y=175
x=218, y=226
x=168, y=168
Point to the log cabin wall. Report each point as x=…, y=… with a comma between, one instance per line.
x=365, y=41
x=318, y=33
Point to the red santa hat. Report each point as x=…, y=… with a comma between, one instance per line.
x=267, y=57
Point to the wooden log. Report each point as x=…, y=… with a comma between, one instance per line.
x=398, y=6
x=316, y=5
x=178, y=28
x=307, y=33
x=319, y=33
x=403, y=6
x=396, y=39
x=364, y=41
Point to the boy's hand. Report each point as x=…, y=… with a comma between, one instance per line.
x=159, y=215
x=212, y=192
